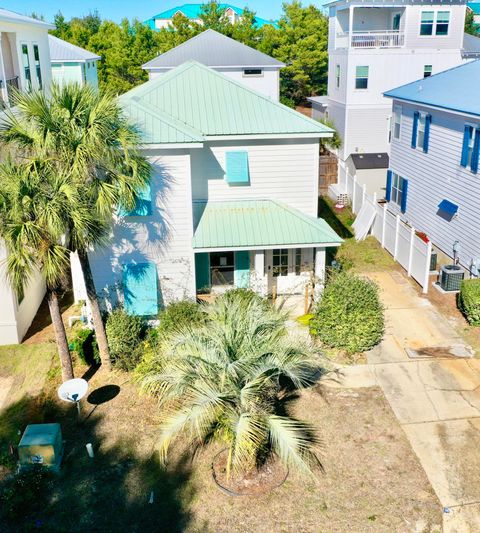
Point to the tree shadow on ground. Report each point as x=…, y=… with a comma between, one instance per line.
x=327, y=213
x=120, y=489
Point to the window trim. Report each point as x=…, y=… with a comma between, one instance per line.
x=435, y=22
x=357, y=77
x=253, y=73
x=283, y=270
x=427, y=74
x=28, y=79
x=474, y=128
x=397, y=190
x=337, y=76
x=38, y=65
x=397, y=107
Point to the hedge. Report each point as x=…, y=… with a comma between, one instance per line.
x=469, y=300
x=349, y=315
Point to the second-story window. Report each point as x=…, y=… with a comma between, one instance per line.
x=426, y=24
x=421, y=131
x=397, y=121
x=26, y=68
x=427, y=71
x=361, y=77
x=471, y=148
x=443, y=19
x=253, y=72
x=38, y=68
x=337, y=76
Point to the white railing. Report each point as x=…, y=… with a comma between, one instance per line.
x=399, y=239
x=371, y=39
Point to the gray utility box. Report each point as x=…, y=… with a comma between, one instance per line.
x=451, y=277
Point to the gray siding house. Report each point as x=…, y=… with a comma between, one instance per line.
x=433, y=178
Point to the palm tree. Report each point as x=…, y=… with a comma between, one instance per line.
x=225, y=381
x=34, y=200
x=86, y=136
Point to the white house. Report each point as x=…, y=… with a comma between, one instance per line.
x=24, y=65
x=236, y=60
x=72, y=64
x=433, y=177
x=232, y=200
x=375, y=46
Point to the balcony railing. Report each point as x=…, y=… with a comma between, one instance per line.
x=371, y=39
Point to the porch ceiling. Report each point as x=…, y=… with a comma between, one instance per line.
x=257, y=224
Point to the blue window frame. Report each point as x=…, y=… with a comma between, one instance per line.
x=471, y=148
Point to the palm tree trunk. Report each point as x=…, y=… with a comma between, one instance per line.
x=60, y=335
x=100, y=334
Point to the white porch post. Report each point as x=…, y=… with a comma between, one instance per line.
x=258, y=281
x=320, y=261
x=3, y=75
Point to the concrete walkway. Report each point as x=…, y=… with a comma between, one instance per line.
x=434, y=393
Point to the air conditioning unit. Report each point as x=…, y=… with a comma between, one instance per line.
x=451, y=277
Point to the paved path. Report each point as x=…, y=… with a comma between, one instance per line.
x=435, y=398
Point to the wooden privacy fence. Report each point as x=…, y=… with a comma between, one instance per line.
x=397, y=237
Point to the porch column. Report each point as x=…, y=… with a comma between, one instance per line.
x=258, y=281
x=3, y=75
x=320, y=256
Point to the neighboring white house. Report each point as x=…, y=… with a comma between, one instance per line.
x=193, y=12
x=376, y=45
x=24, y=65
x=72, y=64
x=433, y=177
x=236, y=60
x=232, y=200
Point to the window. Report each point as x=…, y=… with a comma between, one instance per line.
x=222, y=268
x=38, y=68
x=253, y=72
x=361, y=78
x=397, y=188
x=26, y=67
x=337, y=76
x=298, y=261
x=443, y=18
x=397, y=121
x=427, y=71
x=421, y=130
x=471, y=148
x=426, y=24
x=280, y=262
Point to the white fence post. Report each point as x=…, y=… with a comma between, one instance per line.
x=354, y=195
x=410, y=251
x=397, y=231
x=384, y=223
x=364, y=193
x=427, y=267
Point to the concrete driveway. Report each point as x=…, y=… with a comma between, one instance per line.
x=434, y=393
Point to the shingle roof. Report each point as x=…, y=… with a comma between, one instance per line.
x=455, y=89
x=208, y=104
x=63, y=51
x=257, y=223
x=369, y=161
x=193, y=11
x=11, y=16
x=214, y=50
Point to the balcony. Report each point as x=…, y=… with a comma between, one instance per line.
x=371, y=39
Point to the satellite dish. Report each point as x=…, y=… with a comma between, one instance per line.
x=73, y=391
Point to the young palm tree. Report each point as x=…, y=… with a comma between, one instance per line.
x=225, y=380
x=86, y=136
x=34, y=200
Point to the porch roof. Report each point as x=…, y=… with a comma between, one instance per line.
x=257, y=224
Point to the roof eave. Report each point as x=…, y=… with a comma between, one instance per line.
x=31, y=22
x=433, y=106
x=267, y=247
x=263, y=136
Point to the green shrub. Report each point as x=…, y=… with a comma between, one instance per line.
x=349, y=315
x=85, y=346
x=124, y=334
x=469, y=300
x=179, y=314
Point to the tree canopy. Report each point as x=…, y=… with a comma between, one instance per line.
x=300, y=41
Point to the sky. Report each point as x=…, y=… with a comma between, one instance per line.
x=118, y=9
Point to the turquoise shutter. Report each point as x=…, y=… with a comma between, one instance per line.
x=475, y=154
x=403, y=206
x=237, y=167
x=140, y=289
x=388, y=192
x=242, y=269
x=202, y=271
x=143, y=205
x=466, y=142
x=415, y=129
x=426, y=137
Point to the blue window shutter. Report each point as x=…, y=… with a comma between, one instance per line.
x=403, y=207
x=202, y=271
x=143, y=205
x=237, y=167
x=466, y=142
x=415, y=129
x=140, y=289
x=426, y=137
x=388, y=192
x=475, y=154
x=242, y=269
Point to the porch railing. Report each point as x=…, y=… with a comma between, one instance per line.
x=371, y=39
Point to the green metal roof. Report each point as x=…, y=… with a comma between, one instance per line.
x=201, y=102
x=257, y=223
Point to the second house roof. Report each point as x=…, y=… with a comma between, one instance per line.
x=214, y=50
x=63, y=51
